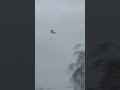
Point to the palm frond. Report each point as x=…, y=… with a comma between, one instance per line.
x=72, y=66
x=77, y=46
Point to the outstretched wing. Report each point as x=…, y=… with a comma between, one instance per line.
x=51, y=31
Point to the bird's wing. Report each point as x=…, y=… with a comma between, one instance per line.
x=51, y=30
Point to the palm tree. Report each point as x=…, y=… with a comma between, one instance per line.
x=78, y=68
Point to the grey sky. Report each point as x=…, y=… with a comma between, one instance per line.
x=53, y=53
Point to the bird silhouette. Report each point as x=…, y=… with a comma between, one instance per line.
x=52, y=31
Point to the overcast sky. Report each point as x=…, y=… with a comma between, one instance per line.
x=53, y=52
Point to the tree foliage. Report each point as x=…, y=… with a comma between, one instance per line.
x=78, y=68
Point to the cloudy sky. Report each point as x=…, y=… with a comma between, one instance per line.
x=53, y=52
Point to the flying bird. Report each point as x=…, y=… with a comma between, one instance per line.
x=52, y=31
